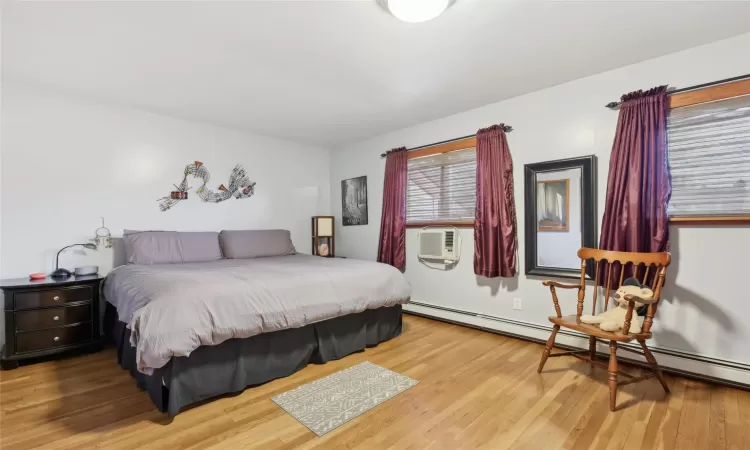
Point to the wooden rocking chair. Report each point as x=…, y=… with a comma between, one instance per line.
x=634, y=264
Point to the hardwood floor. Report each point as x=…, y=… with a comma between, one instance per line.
x=476, y=390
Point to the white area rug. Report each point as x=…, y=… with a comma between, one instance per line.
x=336, y=399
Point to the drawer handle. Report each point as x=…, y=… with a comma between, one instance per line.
x=56, y=318
x=56, y=298
x=56, y=339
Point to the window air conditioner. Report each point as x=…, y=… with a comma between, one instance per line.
x=438, y=245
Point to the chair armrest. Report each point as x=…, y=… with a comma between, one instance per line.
x=552, y=285
x=630, y=298
x=561, y=285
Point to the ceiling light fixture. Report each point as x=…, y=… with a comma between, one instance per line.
x=414, y=11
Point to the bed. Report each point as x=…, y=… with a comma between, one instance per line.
x=192, y=328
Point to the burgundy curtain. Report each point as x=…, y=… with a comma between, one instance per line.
x=495, y=229
x=392, y=247
x=639, y=186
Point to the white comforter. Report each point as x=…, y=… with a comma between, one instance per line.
x=172, y=309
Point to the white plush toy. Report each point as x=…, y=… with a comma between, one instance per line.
x=614, y=319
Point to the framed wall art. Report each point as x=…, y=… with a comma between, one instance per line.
x=560, y=215
x=354, y=201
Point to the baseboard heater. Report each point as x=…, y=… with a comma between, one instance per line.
x=692, y=365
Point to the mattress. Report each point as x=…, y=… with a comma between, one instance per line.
x=173, y=309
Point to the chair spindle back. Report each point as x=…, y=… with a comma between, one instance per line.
x=649, y=268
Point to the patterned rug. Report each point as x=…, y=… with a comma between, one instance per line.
x=336, y=399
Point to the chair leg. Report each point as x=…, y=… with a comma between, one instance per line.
x=654, y=365
x=592, y=349
x=612, y=375
x=548, y=347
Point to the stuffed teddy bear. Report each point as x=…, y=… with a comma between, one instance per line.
x=614, y=319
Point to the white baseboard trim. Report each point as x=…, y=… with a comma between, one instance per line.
x=730, y=372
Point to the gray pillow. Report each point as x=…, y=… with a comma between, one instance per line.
x=243, y=244
x=200, y=246
x=171, y=247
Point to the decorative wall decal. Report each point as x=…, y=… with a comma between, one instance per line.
x=240, y=186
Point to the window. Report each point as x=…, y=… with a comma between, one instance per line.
x=441, y=188
x=709, y=154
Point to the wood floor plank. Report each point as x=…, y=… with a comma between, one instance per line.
x=521, y=393
x=658, y=414
x=717, y=421
x=694, y=421
x=667, y=432
x=476, y=390
x=564, y=402
x=563, y=435
x=732, y=421
x=590, y=424
x=463, y=406
x=743, y=406
x=630, y=399
x=646, y=406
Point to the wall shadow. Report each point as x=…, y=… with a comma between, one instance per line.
x=494, y=284
x=677, y=295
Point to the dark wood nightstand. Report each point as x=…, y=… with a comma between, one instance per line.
x=49, y=316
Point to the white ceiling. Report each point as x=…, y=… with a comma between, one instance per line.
x=331, y=72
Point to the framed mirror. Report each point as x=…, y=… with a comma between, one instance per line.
x=560, y=215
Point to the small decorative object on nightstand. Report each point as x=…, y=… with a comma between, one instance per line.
x=323, y=236
x=49, y=316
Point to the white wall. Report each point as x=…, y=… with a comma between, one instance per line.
x=706, y=297
x=1, y=168
x=66, y=162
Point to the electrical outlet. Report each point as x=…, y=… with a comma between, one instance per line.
x=517, y=304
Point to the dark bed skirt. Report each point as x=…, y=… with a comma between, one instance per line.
x=236, y=364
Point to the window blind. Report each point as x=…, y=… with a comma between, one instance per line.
x=442, y=188
x=709, y=158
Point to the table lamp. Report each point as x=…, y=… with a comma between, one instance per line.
x=323, y=230
x=65, y=273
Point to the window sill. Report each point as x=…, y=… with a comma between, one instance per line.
x=440, y=224
x=710, y=220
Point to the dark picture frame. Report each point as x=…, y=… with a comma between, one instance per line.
x=587, y=165
x=354, y=201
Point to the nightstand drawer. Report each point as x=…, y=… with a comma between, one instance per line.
x=52, y=317
x=32, y=341
x=52, y=297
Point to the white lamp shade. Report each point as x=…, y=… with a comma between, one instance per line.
x=323, y=226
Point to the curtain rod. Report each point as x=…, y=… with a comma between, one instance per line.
x=506, y=128
x=616, y=105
